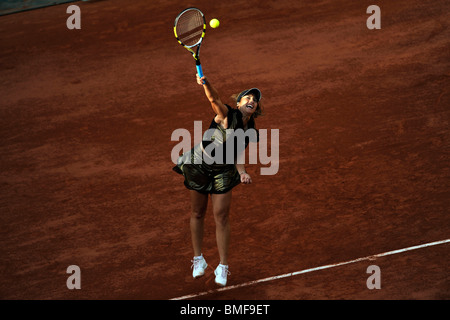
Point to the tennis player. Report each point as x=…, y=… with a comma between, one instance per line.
x=204, y=178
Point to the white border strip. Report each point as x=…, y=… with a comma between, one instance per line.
x=312, y=269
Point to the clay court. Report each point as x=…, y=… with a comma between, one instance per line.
x=86, y=118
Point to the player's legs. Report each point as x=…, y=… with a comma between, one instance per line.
x=221, y=208
x=199, y=203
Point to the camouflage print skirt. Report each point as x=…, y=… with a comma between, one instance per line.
x=203, y=177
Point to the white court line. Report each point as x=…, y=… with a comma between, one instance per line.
x=312, y=269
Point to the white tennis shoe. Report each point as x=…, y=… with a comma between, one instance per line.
x=198, y=266
x=221, y=273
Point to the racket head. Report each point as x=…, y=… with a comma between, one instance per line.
x=190, y=27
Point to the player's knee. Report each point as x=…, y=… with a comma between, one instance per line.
x=221, y=217
x=198, y=213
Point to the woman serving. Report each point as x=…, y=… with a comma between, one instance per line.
x=203, y=176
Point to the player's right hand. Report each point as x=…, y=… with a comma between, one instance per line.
x=200, y=81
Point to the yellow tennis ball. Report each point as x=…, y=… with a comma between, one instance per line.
x=214, y=23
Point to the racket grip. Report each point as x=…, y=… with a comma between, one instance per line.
x=199, y=70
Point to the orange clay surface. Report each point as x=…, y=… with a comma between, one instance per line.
x=86, y=179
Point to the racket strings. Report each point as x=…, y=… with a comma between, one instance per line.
x=189, y=27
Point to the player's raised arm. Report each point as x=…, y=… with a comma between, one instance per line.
x=213, y=96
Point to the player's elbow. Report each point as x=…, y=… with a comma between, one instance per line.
x=214, y=101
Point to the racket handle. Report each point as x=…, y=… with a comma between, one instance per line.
x=199, y=70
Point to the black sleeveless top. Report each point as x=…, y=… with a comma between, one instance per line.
x=221, y=137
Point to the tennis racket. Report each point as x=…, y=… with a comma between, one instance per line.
x=189, y=29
